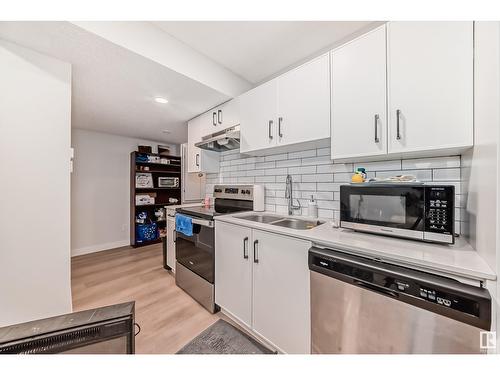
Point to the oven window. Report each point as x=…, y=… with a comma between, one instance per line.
x=378, y=208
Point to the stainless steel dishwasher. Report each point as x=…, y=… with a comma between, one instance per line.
x=360, y=305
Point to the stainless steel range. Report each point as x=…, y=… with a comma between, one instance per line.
x=195, y=255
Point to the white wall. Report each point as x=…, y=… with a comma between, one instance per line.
x=100, y=190
x=480, y=165
x=35, y=131
x=314, y=173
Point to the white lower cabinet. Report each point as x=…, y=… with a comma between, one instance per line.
x=281, y=308
x=262, y=280
x=233, y=271
x=171, y=239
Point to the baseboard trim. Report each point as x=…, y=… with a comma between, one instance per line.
x=100, y=247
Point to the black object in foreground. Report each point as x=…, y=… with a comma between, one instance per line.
x=105, y=330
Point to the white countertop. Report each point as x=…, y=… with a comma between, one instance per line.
x=459, y=259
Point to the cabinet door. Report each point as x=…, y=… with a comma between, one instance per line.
x=359, y=122
x=233, y=270
x=193, y=152
x=304, y=103
x=209, y=123
x=193, y=187
x=200, y=160
x=281, y=311
x=228, y=114
x=171, y=243
x=430, y=67
x=258, y=117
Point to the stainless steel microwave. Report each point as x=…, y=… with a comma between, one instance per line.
x=168, y=182
x=420, y=212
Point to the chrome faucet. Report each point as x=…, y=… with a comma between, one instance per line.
x=289, y=196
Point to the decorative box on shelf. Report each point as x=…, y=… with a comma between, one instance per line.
x=143, y=180
x=145, y=199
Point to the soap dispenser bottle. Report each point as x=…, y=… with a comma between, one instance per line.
x=313, y=207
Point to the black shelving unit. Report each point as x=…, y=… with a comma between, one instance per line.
x=162, y=194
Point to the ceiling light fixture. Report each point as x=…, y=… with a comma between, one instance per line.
x=161, y=100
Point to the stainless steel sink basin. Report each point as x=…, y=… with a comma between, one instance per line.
x=298, y=223
x=266, y=219
x=283, y=221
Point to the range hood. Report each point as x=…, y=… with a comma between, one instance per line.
x=224, y=140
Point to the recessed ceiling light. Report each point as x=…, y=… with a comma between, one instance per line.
x=166, y=131
x=161, y=100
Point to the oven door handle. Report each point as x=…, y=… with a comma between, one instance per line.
x=204, y=223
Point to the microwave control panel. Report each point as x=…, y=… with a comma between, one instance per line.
x=439, y=209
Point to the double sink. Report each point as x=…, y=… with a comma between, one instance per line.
x=282, y=221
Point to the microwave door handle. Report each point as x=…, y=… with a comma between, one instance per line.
x=415, y=225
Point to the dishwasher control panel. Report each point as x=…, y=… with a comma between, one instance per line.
x=450, y=300
x=439, y=294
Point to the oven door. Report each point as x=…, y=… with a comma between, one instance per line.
x=391, y=210
x=197, y=253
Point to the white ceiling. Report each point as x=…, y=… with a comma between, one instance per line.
x=114, y=80
x=112, y=87
x=257, y=50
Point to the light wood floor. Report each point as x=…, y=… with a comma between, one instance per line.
x=169, y=318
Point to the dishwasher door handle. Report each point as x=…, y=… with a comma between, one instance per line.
x=375, y=288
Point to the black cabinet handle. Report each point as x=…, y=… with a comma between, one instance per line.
x=197, y=160
x=377, y=140
x=214, y=118
x=398, y=115
x=270, y=128
x=174, y=235
x=255, y=255
x=219, y=116
x=280, y=120
x=245, y=248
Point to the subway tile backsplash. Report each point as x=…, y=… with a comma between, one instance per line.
x=313, y=173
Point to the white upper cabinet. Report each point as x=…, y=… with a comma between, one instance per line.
x=228, y=114
x=258, y=110
x=211, y=121
x=359, y=121
x=219, y=118
x=287, y=111
x=304, y=103
x=430, y=67
x=193, y=153
x=199, y=160
x=429, y=92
